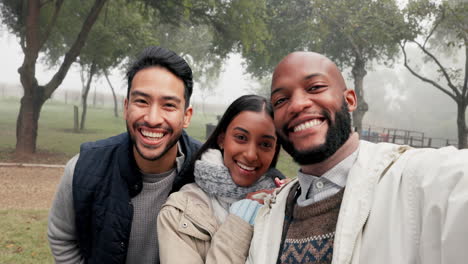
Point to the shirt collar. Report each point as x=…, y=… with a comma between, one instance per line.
x=336, y=175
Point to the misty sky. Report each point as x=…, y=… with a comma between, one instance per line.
x=232, y=84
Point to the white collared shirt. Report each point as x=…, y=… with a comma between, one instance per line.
x=317, y=188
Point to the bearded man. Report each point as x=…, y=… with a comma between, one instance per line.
x=108, y=200
x=354, y=201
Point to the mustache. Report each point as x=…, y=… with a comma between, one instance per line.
x=326, y=115
x=145, y=124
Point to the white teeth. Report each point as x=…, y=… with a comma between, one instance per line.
x=152, y=135
x=245, y=167
x=308, y=124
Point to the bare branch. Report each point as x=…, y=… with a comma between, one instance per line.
x=435, y=84
x=442, y=68
x=436, y=25
x=75, y=49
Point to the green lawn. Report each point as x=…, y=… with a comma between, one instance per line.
x=23, y=237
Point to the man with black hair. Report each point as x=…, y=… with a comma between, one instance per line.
x=107, y=202
x=354, y=201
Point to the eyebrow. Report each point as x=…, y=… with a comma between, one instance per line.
x=173, y=98
x=138, y=93
x=165, y=98
x=312, y=76
x=241, y=129
x=247, y=132
x=277, y=90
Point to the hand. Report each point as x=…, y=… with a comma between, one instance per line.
x=259, y=196
x=282, y=182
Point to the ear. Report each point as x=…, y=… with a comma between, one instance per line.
x=351, y=100
x=221, y=140
x=188, y=116
x=125, y=108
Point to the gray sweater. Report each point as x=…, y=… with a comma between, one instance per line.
x=143, y=247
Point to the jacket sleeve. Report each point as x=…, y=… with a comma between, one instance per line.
x=182, y=242
x=61, y=225
x=442, y=190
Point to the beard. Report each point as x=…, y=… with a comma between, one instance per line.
x=337, y=134
x=172, y=141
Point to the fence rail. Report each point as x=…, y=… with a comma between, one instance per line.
x=404, y=137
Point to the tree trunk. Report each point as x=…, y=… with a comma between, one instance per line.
x=33, y=98
x=359, y=72
x=27, y=122
x=84, y=96
x=461, y=125
x=34, y=94
x=116, y=112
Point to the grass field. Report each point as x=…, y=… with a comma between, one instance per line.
x=23, y=237
x=23, y=231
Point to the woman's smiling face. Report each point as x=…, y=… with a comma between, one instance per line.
x=249, y=145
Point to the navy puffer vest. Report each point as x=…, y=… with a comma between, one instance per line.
x=105, y=180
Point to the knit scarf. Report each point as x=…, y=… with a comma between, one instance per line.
x=214, y=178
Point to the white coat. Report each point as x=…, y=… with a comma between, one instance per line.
x=400, y=205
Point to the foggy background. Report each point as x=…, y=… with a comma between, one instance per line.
x=396, y=98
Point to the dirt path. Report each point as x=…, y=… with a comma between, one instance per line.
x=28, y=187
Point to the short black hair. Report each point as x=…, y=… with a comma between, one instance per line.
x=158, y=56
x=254, y=103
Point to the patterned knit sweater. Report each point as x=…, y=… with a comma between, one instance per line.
x=309, y=231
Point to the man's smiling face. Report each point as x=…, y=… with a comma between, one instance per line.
x=155, y=113
x=311, y=105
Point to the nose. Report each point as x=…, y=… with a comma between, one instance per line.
x=250, y=152
x=298, y=102
x=154, y=116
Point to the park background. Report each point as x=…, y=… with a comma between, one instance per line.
x=232, y=47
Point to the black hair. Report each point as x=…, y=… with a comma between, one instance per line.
x=252, y=103
x=158, y=56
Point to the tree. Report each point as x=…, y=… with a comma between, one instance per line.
x=34, y=20
x=121, y=29
x=353, y=33
x=194, y=43
x=445, y=29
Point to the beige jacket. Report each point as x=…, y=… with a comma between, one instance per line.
x=400, y=206
x=194, y=228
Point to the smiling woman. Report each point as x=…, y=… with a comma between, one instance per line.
x=238, y=158
x=249, y=146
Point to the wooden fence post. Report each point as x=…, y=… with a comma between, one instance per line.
x=76, y=123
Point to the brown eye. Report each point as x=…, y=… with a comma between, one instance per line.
x=266, y=145
x=140, y=101
x=241, y=137
x=279, y=101
x=314, y=88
